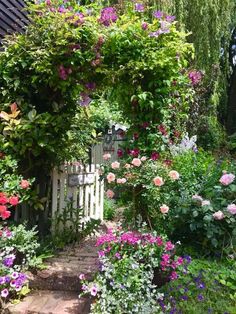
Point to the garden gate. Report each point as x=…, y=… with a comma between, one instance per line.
x=80, y=185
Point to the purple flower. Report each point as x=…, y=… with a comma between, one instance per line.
x=195, y=77
x=2, y=280
x=84, y=287
x=15, y=275
x=154, y=34
x=9, y=260
x=18, y=288
x=117, y=255
x=158, y=14
x=184, y=298
x=144, y=25
x=7, y=279
x=200, y=297
x=61, y=9
x=201, y=285
x=139, y=7
x=101, y=253
x=85, y=99
x=170, y=18
x=108, y=16
x=91, y=86
x=4, y=293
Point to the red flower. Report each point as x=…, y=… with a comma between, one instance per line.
x=3, y=208
x=24, y=184
x=155, y=155
x=3, y=198
x=13, y=200
x=162, y=129
x=5, y=214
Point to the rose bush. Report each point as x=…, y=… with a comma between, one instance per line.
x=133, y=264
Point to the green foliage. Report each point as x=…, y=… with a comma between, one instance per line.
x=109, y=209
x=70, y=226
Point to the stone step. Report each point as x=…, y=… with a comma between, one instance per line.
x=51, y=302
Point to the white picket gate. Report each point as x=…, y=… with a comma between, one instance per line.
x=82, y=186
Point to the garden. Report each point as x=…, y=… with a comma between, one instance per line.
x=170, y=188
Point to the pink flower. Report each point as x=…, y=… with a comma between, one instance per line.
x=158, y=181
x=159, y=241
x=144, y=158
x=196, y=197
x=82, y=276
x=144, y=25
x=111, y=177
x=164, y=209
x=218, y=215
x=206, y=203
x=3, y=208
x=5, y=214
x=4, y=293
x=173, y=275
x=106, y=156
x=3, y=198
x=174, y=175
x=169, y=246
x=110, y=193
x=155, y=155
x=136, y=162
x=227, y=179
x=13, y=200
x=180, y=261
x=232, y=209
x=121, y=181
x=24, y=184
x=115, y=165
x=117, y=255
x=94, y=290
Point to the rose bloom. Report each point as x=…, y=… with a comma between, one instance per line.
x=127, y=166
x=144, y=158
x=206, y=203
x=106, y=156
x=136, y=162
x=3, y=208
x=111, y=177
x=121, y=181
x=232, y=209
x=115, y=165
x=13, y=200
x=110, y=193
x=158, y=181
x=164, y=209
x=218, y=215
x=227, y=179
x=197, y=198
x=5, y=214
x=24, y=184
x=174, y=175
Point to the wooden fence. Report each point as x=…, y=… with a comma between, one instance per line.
x=80, y=185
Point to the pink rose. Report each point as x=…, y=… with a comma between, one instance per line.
x=227, y=179
x=197, y=197
x=13, y=200
x=164, y=209
x=136, y=162
x=115, y=165
x=232, y=209
x=206, y=203
x=111, y=177
x=121, y=181
x=174, y=175
x=106, y=156
x=144, y=158
x=218, y=215
x=110, y=193
x=24, y=184
x=158, y=181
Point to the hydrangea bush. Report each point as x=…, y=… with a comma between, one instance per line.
x=133, y=265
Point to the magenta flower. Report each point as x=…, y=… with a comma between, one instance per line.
x=82, y=276
x=144, y=25
x=169, y=246
x=227, y=179
x=94, y=290
x=108, y=16
x=155, y=156
x=139, y=7
x=134, y=152
x=173, y=275
x=120, y=153
x=195, y=77
x=117, y=255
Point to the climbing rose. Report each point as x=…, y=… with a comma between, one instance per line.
x=24, y=184
x=164, y=209
x=197, y=198
x=106, y=156
x=218, y=215
x=155, y=155
x=5, y=214
x=120, y=153
x=111, y=177
x=3, y=198
x=13, y=200
x=174, y=175
x=121, y=181
x=136, y=162
x=115, y=165
x=158, y=181
x=127, y=166
x=110, y=193
x=3, y=208
x=144, y=158
x=232, y=209
x=206, y=203
x=227, y=179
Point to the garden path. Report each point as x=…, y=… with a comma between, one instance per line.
x=55, y=289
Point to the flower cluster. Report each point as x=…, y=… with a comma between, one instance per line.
x=108, y=16
x=5, y=202
x=124, y=256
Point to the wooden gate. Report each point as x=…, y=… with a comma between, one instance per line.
x=80, y=185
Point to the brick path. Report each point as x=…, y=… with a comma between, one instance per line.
x=55, y=290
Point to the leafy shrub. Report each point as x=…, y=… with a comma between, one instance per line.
x=132, y=265
x=109, y=209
